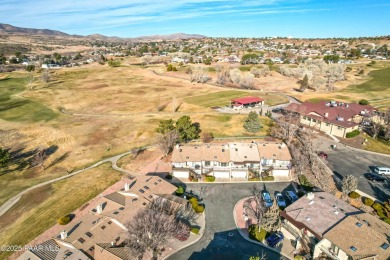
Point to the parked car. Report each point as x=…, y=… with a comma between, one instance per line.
x=374, y=177
x=382, y=170
x=280, y=200
x=267, y=198
x=275, y=239
x=291, y=196
x=323, y=155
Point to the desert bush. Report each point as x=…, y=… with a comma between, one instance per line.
x=195, y=230
x=354, y=195
x=64, y=220
x=199, y=209
x=210, y=178
x=363, y=102
x=268, y=178
x=352, y=134
x=255, y=234
x=367, y=201
x=180, y=191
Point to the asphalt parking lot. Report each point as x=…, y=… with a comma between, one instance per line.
x=221, y=239
x=344, y=161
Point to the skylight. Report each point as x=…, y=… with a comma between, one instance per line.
x=353, y=248
x=385, y=246
x=358, y=224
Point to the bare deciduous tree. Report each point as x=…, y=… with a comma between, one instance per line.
x=199, y=74
x=30, y=80
x=46, y=76
x=151, y=228
x=246, y=81
x=254, y=206
x=235, y=75
x=167, y=141
x=223, y=77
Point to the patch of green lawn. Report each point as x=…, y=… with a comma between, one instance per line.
x=18, y=109
x=221, y=98
x=380, y=81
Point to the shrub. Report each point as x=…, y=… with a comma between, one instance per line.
x=180, y=191
x=305, y=183
x=64, y=220
x=169, y=67
x=199, y=209
x=363, y=102
x=269, y=178
x=298, y=257
x=194, y=202
x=387, y=220
x=354, y=195
x=210, y=178
x=377, y=206
x=255, y=179
x=352, y=134
x=195, y=230
x=254, y=233
x=367, y=201
x=169, y=176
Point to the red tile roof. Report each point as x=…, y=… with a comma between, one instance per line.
x=247, y=100
x=325, y=112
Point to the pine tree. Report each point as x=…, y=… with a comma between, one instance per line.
x=252, y=123
x=271, y=219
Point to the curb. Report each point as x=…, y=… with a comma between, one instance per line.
x=250, y=240
x=190, y=244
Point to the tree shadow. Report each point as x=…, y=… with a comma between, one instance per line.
x=59, y=159
x=379, y=192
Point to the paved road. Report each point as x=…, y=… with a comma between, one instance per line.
x=216, y=242
x=345, y=160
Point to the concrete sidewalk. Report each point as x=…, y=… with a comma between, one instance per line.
x=285, y=249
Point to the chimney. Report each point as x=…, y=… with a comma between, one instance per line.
x=177, y=146
x=99, y=208
x=283, y=145
x=326, y=114
x=64, y=234
x=127, y=186
x=112, y=243
x=310, y=195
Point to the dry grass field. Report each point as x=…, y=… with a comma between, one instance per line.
x=39, y=209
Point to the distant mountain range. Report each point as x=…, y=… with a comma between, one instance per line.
x=6, y=29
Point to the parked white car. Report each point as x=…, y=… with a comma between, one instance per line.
x=382, y=170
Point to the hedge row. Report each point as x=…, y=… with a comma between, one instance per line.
x=354, y=195
x=352, y=134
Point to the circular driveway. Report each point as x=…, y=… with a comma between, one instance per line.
x=221, y=239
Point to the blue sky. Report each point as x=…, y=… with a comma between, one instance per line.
x=215, y=18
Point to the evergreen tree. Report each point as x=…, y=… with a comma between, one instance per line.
x=252, y=123
x=4, y=157
x=304, y=83
x=186, y=129
x=165, y=126
x=271, y=219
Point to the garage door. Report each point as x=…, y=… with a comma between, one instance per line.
x=181, y=174
x=221, y=174
x=239, y=174
x=280, y=172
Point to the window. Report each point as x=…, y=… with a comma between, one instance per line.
x=121, y=208
x=353, y=248
x=327, y=124
x=314, y=120
x=103, y=227
x=223, y=164
x=88, y=234
x=385, y=246
x=81, y=240
x=304, y=118
x=339, y=128
x=141, y=190
x=358, y=224
x=207, y=163
x=146, y=187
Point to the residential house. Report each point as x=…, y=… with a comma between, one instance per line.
x=106, y=222
x=230, y=160
x=356, y=237
x=311, y=216
x=332, y=117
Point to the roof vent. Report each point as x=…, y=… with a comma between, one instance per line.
x=358, y=224
x=336, y=212
x=99, y=208
x=310, y=195
x=308, y=218
x=311, y=202
x=127, y=186
x=63, y=234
